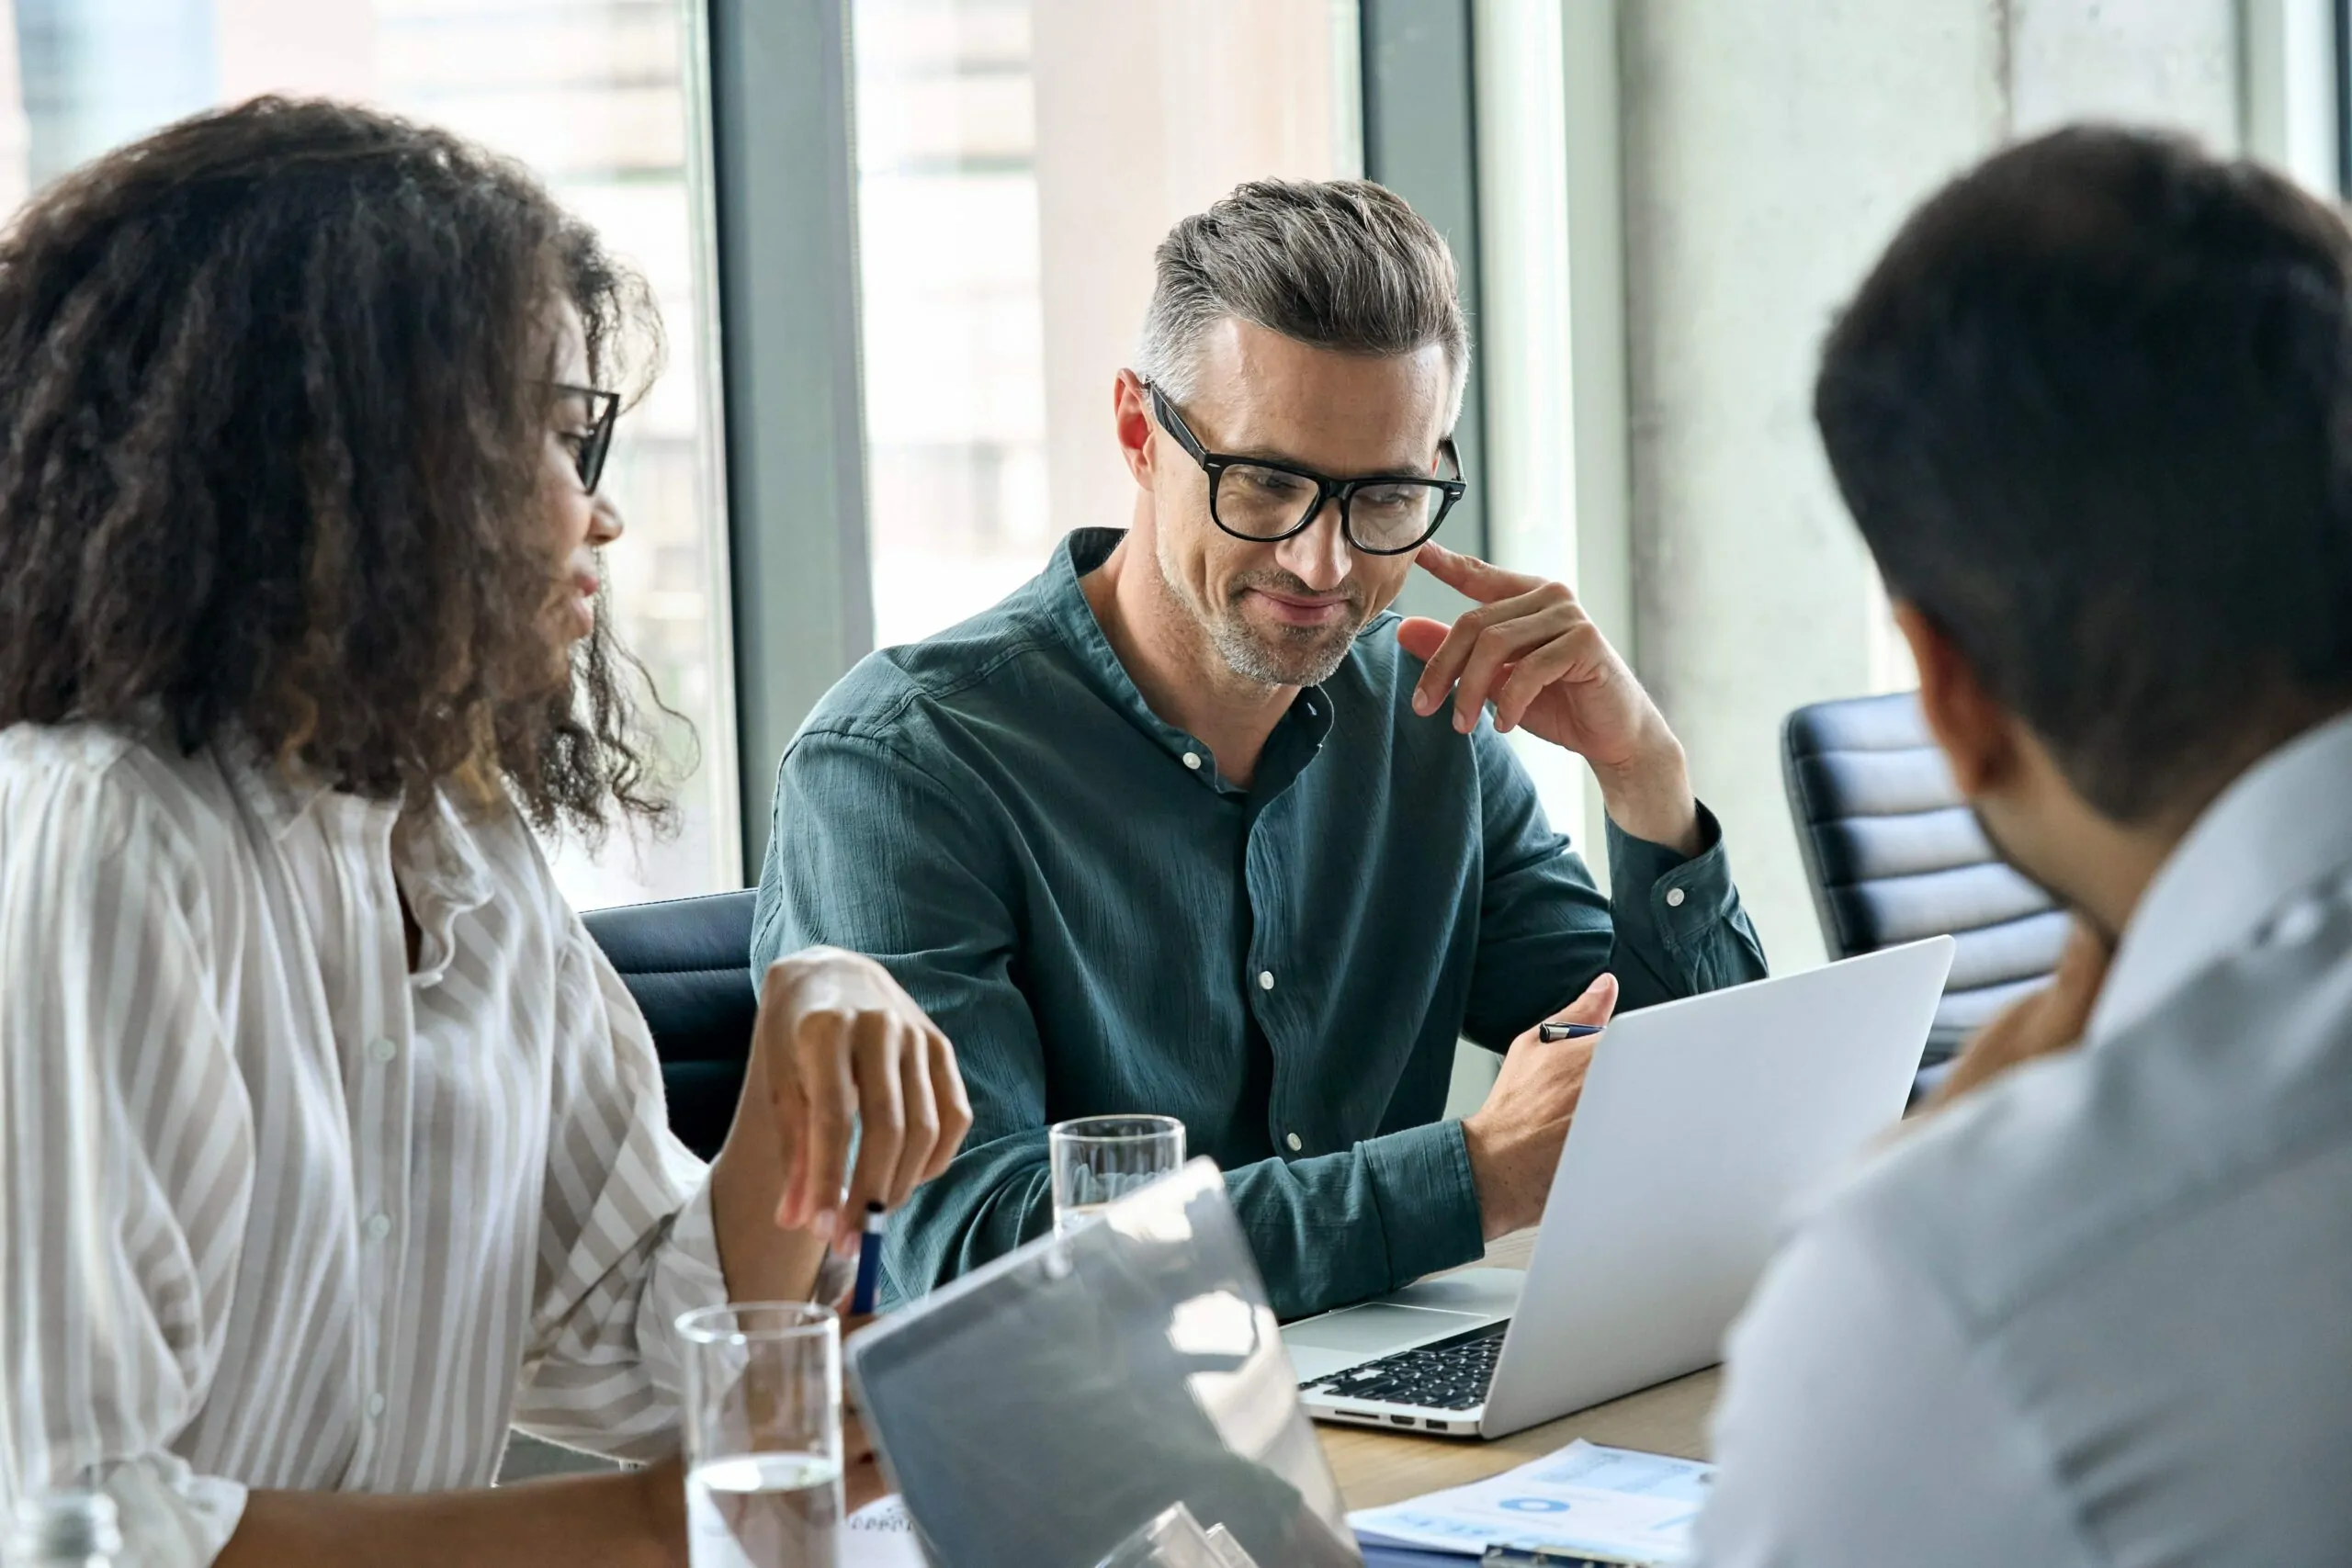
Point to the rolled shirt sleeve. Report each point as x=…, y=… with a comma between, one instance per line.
x=125, y=1143
x=627, y=1241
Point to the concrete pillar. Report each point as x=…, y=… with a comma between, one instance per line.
x=1770, y=151
x=2170, y=63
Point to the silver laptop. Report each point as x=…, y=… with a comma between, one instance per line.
x=1702, y=1122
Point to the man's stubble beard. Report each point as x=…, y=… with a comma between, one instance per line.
x=1301, y=655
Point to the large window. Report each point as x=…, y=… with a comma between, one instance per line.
x=1012, y=152
x=604, y=98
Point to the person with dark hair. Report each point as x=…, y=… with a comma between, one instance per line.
x=329, y=1145
x=1191, y=825
x=2093, y=413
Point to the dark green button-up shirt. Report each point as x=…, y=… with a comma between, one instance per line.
x=1102, y=923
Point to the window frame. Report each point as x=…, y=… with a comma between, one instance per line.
x=1420, y=139
x=785, y=190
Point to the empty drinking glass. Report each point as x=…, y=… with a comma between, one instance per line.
x=763, y=1435
x=1098, y=1159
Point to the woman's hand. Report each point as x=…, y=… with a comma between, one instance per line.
x=838, y=1046
x=839, y=1043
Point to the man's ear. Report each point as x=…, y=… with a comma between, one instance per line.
x=1131, y=411
x=1978, y=735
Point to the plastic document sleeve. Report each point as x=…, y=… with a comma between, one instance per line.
x=1051, y=1409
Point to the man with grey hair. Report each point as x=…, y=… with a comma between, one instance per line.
x=1181, y=827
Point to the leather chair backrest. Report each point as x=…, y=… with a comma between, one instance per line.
x=688, y=963
x=1893, y=855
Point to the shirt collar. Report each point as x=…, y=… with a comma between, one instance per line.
x=432, y=845
x=1073, y=616
x=435, y=845
x=278, y=793
x=2285, y=823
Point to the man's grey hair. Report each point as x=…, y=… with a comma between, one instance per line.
x=1342, y=264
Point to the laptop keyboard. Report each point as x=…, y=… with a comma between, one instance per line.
x=1452, y=1374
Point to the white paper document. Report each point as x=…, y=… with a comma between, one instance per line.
x=880, y=1535
x=1612, y=1504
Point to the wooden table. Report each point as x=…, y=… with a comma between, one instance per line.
x=1376, y=1467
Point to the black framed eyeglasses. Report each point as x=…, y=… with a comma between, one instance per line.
x=590, y=447
x=1265, y=502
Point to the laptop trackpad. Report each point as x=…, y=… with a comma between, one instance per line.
x=1374, y=1328
x=1336, y=1341
x=1488, y=1293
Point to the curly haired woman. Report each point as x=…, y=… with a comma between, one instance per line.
x=329, y=1145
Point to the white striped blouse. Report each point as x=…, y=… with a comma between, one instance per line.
x=275, y=1211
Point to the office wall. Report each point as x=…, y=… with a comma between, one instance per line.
x=1771, y=150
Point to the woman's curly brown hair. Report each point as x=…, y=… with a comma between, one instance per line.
x=272, y=444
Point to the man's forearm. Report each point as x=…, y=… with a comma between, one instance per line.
x=1344, y=1226
x=636, y=1519
x=993, y=1198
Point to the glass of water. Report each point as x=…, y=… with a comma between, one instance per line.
x=763, y=1435
x=1099, y=1159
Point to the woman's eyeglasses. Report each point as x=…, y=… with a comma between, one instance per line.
x=590, y=445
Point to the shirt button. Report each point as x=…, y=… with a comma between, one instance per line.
x=2301, y=922
x=382, y=1050
x=1295, y=1142
x=1192, y=760
x=378, y=1226
x=1265, y=979
x=375, y=1405
x=1674, y=896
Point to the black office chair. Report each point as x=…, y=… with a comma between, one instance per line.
x=1892, y=855
x=687, y=961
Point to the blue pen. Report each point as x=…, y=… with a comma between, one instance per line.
x=1551, y=1032
x=869, y=1263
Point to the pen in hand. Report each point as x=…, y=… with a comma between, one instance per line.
x=1550, y=1033
x=869, y=1263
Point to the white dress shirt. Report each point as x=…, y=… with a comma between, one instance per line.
x=275, y=1211
x=2102, y=1312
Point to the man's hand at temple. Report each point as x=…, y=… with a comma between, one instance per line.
x=1529, y=648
